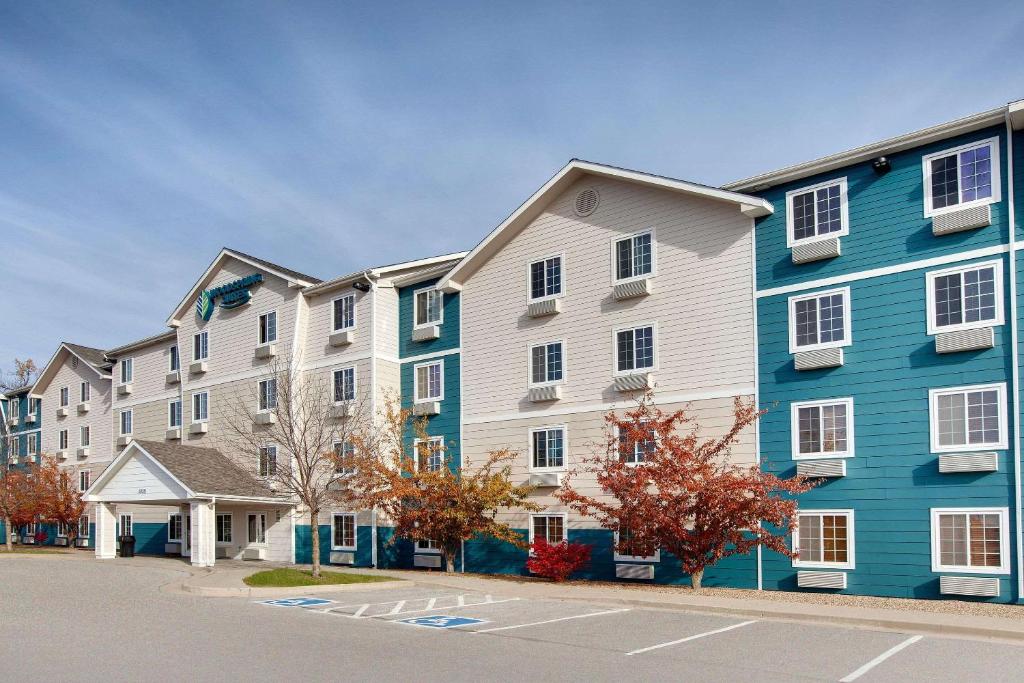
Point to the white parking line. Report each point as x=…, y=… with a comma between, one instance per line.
x=684, y=640
x=398, y=607
x=551, y=621
x=879, y=659
x=438, y=609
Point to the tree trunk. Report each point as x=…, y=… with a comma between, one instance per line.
x=695, y=579
x=314, y=526
x=449, y=561
x=7, y=531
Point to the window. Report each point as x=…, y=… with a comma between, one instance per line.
x=429, y=453
x=546, y=363
x=344, y=450
x=634, y=256
x=268, y=327
x=126, y=422
x=127, y=370
x=83, y=480
x=427, y=546
x=257, y=527
x=547, y=448
x=633, y=450
x=968, y=418
x=33, y=405
x=174, y=527
x=83, y=526
x=344, y=385
x=819, y=321
x=201, y=345
x=970, y=540
x=125, y=527
x=268, y=394
x=549, y=527
x=428, y=380
x=84, y=436
x=268, y=460
x=200, y=406
x=822, y=429
x=824, y=538
x=62, y=440
x=62, y=530
x=961, y=177
x=965, y=298
x=634, y=349
x=344, y=531
x=428, y=307
x=86, y=392
x=817, y=212
x=546, y=278
x=344, y=312
x=223, y=524
x=33, y=444
x=625, y=550
x=65, y=397
x=174, y=360
x=174, y=414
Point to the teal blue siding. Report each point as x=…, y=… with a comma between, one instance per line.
x=150, y=537
x=304, y=545
x=449, y=338
x=446, y=423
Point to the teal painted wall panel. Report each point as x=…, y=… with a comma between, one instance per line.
x=449, y=338
x=150, y=537
x=446, y=423
x=304, y=545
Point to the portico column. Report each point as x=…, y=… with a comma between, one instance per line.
x=204, y=536
x=106, y=531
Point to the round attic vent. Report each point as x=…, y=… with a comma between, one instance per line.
x=586, y=201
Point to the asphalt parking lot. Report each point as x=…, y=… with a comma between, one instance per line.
x=80, y=620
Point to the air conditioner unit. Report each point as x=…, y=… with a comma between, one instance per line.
x=641, y=572
x=343, y=558
x=62, y=455
x=173, y=377
x=83, y=407
x=197, y=367
x=124, y=389
x=62, y=541
x=82, y=452
x=198, y=428
x=632, y=289
x=173, y=548
x=342, y=338
x=254, y=554
x=265, y=418
x=28, y=540
x=266, y=351
x=427, y=561
x=634, y=382
x=221, y=552
x=426, y=333
x=62, y=412
x=426, y=408
x=81, y=542
x=821, y=579
x=969, y=585
x=546, y=479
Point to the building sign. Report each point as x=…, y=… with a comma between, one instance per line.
x=231, y=295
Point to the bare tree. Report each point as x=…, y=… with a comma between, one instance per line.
x=298, y=413
x=23, y=375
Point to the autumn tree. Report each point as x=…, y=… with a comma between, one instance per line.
x=20, y=498
x=23, y=374
x=669, y=487
x=61, y=502
x=424, y=495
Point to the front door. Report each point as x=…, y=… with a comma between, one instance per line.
x=257, y=526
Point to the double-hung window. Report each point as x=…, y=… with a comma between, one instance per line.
x=268, y=328
x=268, y=460
x=127, y=370
x=968, y=418
x=174, y=529
x=174, y=414
x=84, y=436
x=971, y=540
x=822, y=429
x=429, y=453
x=125, y=524
x=551, y=528
x=634, y=256
x=201, y=345
x=634, y=447
x=256, y=527
x=634, y=349
x=427, y=546
x=546, y=362
x=126, y=422
x=343, y=536
x=65, y=397
x=628, y=550
x=223, y=523
x=83, y=526
x=824, y=538
x=344, y=451
x=817, y=212
x=344, y=385
x=201, y=406
x=428, y=304
x=429, y=381
x=174, y=362
x=961, y=177
x=268, y=394
x=546, y=278
x=547, y=448
x=62, y=440
x=86, y=392
x=344, y=313
x=33, y=444
x=965, y=298
x=83, y=480
x=820, y=320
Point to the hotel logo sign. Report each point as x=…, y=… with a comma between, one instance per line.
x=231, y=295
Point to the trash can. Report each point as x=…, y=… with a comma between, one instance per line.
x=127, y=546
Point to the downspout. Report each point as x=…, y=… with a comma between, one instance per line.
x=1015, y=376
x=373, y=401
x=757, y=374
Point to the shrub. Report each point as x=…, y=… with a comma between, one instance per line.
x=558, y=561
x=41, y=537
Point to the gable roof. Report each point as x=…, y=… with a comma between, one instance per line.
x=382, y=271
x=570, y=173
x=140, y=343
x=94, y=359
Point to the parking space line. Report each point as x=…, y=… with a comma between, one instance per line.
x=398, y=607
x=435, y=609
x=551, y=621
x=359, y=612
x=431, y=603
x=879, y=659
x=685, y=640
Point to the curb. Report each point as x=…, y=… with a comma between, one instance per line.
x=270, y=592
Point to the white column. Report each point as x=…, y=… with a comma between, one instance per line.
x=106, y=533
x=204, y=534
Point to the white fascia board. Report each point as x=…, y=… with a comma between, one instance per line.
x=143, y=343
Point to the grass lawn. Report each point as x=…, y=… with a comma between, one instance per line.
x=286, y=576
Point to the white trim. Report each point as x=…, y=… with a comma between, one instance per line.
x=181, y=413
x=615, y=349
x=615, y=279
x=64, y=397
x=88, y=482
x=996, y=177
x=170, y=357
x=565, y=448
x=1004, y=540
x=430, y=439
x=200, y=333
x=86, y=395
x=43, y=381
x=259, y=396
x=847, y=321
x=355, y=318
x=259, y=325
x=565, y=523
x=266, y=527
x=415, y=305
x=929, y=286
x=216, y=529
x=656, y=557
x=794, y=425
x=1011, y=223
x=88, y=431
x=123, y=363
x=115, y=465
x=62, y=439
x=131, y=523
x=120, y=421
x=140, y=400
x=416, y=382
x=529, y=364
x=32, y=444
x=844, y=212
x=192, y=401
x=355, y=385
x=355, y=532
x=420, y=357
x=850, y=540
x=179, y=539
x=561, y=278
x=933, y=418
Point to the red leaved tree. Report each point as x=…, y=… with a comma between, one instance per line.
x=557, y=561
x=61, y=501
x=668, y=487
x=21, y=497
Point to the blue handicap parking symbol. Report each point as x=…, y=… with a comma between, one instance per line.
x=440, y=621
x=296, y=602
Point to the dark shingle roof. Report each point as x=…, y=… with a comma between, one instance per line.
x=207, y=470
x=287, y=271
x=94, y=357
x=166, y=334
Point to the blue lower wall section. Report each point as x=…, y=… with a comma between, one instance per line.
x=150, y=537
x=304, y=545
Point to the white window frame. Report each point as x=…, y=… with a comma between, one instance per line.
x=231, y=528
x=616, y=430
x=847, y=321
x=415, y=306
x=259, y=396
x=614, y=256
x=929, y=286
x=851, y=537
x=933, y=418
x=334, y=322
x=656, y=557
x=170, y=538
x=128, y=363
x=120, y=523
x=32, y=444
x=62, y=440
x=120, y=421
x=33, y=405
x=355, y=385
x=173, y=353
x=206, y=418
x=1004, y=540
x=529, y=363
x=615, y=349
x=435, y=550
x=416, y=453
x=84, y=534
x=259, y=461
x=565, y=447
x=259, y=328
x=795, y=429
x=355, y=531
x=565, y=523
x=416, y=381
x=65, y=397
x=204, y=340
x=266, y=528
x=844, y=212
x=84, y=436
x=181, y=416
x=997, y=184
x=529, y=278
x=84, y=480
x=85, y=392
x=338, y=446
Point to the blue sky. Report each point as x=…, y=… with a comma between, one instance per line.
x=137, y=139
